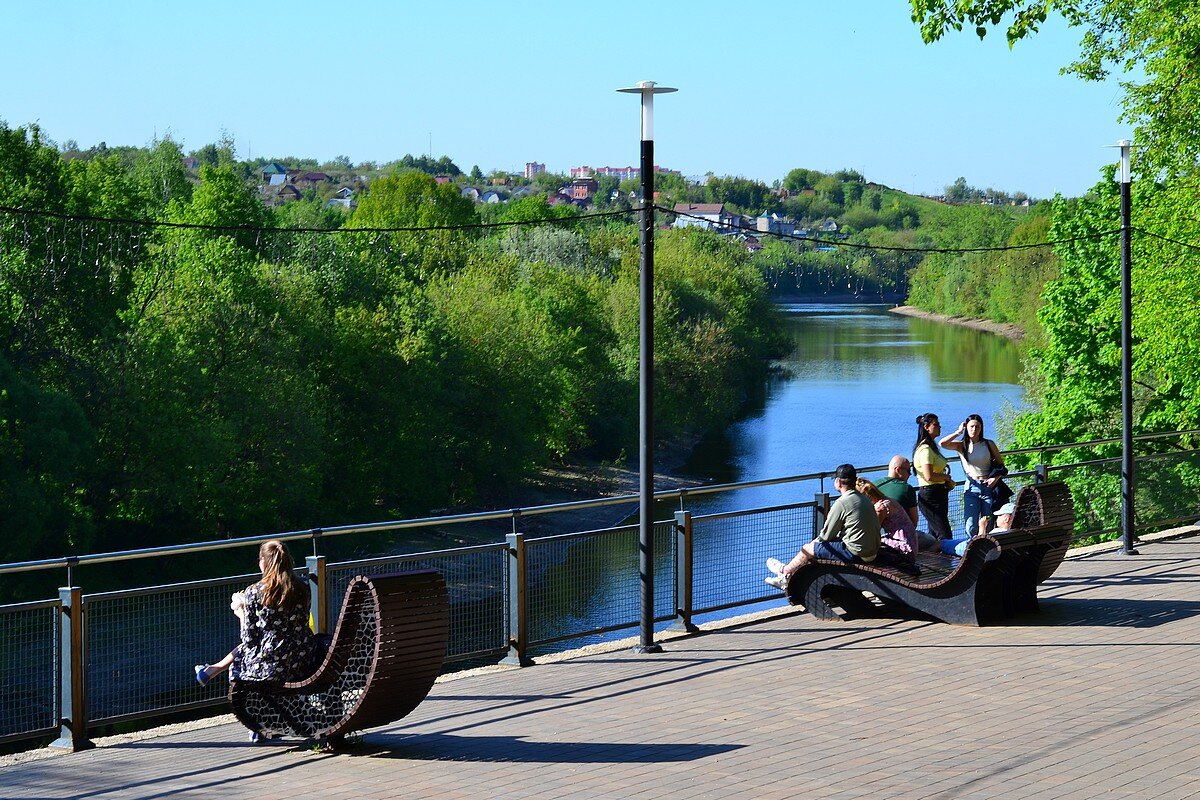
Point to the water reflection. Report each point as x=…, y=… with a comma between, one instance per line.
x=850, y=391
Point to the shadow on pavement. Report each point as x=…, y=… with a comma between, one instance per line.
x=445, y=747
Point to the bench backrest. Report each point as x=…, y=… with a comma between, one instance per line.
x=386, y=653
x=1046, y=505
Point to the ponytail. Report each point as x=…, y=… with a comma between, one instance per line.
x=281, y=588
x=923, y=436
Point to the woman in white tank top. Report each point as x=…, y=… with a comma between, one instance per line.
x=981, y=461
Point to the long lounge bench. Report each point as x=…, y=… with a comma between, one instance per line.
x=997, y=576
x=386, y=652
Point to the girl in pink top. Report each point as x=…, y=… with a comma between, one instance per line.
x=899, y=533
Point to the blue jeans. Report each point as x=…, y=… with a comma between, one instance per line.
x=955, y=547
x=977, y=503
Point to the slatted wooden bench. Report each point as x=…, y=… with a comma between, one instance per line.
x=996, y=578
x=386, y=652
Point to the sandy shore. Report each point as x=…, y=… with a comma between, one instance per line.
x=999, y=328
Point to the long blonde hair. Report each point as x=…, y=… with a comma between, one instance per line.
x=280, y=586
x=870, y=490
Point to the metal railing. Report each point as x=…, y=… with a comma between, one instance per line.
x=82, y=660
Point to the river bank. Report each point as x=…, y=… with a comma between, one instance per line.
x=1004, y=329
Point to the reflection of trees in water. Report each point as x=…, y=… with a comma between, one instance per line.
x=867, y=341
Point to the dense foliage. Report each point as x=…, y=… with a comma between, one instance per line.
x=161, y=383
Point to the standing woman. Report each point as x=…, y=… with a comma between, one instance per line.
x=933, y=477
x=277, y=643
x=983, y=466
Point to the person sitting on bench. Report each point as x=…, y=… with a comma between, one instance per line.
x=277, y=644
x=958, y=545
x=851, y=532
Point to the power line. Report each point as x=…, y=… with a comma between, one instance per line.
x=1153, y=235
x=860, y=246
x=266, y=229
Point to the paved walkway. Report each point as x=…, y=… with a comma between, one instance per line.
x=1097, y=696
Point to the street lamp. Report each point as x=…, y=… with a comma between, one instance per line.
x=647, y=90
x=1127, y=482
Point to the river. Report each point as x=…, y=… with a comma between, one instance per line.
x=850, y=392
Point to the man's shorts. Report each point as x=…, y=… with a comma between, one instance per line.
x=834, y=551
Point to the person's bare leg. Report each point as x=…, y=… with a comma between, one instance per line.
x=220, y=666
x=803, y=557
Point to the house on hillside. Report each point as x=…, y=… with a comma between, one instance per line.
x=274, y=174
x=491, y=196
x=286, y=194
x=583, y=188
x=710, y=216
x=440, y=179
x=306, y=179
x=828, y=226
x=470, y=192
x=774, y=223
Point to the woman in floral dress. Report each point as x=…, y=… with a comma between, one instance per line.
x=277, y=643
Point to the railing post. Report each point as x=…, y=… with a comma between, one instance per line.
x=518, y=612
x=318, y=590
x=820, y=510
x=683, y=573
x=72, y=688
x=1041, y=473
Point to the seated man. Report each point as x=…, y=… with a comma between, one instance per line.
x=896, y=488
x=851, y=532
x=958, y=545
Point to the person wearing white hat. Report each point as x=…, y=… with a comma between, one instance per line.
x=958, y=545
x=1004, y=515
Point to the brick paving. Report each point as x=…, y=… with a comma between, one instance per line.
x=1096, y=696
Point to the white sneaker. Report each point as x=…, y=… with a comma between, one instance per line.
x=775, y=565
x=778, y=581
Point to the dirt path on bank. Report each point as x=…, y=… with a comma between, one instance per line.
x=1006, y=330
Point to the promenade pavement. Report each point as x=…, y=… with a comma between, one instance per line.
x=1096, y=696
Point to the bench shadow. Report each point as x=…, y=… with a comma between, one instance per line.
x=1109, y=612
x=448, y=747
x=1106, y=612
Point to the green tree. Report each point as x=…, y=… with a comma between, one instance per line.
x=413, y=199
x=161, y=177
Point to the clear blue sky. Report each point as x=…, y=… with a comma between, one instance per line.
x=762, y=87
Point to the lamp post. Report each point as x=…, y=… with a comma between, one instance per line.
x=1127, y=482
x=647, y=90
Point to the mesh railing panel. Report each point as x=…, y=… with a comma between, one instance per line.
x=729, y=553
x=477, y=586
x=582, y=584
x=1164, y=493
x=142, y=646
x=29, y=670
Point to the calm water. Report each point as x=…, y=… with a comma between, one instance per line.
x=850, y=392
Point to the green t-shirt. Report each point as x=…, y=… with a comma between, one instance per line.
x=898, y=490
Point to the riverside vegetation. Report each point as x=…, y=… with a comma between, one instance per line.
x=166, y=384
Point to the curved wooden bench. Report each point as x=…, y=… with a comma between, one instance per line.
x=386, y=652
x=997, y=576
x=1034, y=548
